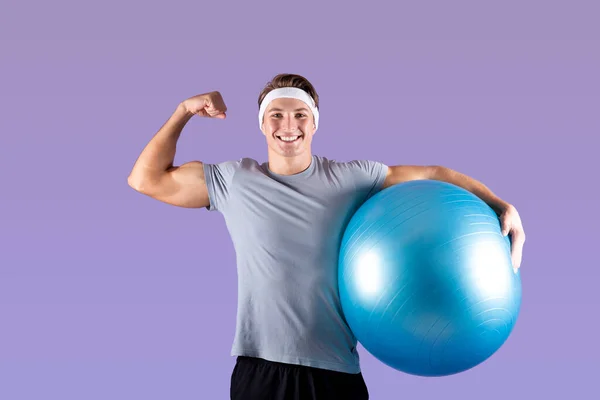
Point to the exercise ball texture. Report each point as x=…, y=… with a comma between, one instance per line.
x=426, y=279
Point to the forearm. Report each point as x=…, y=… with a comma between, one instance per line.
x=472, y=185
x=159, y=154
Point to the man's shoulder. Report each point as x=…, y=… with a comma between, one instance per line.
x=239, y=163
x=232, y=169
x=248, y=163
x=355, y=163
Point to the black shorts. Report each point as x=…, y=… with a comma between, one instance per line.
x=259, y=379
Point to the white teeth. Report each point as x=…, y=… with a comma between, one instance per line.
x=288, y=138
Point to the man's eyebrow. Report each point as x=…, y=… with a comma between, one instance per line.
x=297, y=109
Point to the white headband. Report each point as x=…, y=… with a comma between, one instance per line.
x=292, y=93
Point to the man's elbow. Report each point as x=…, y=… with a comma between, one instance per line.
x=136, y=182
x=437, y=172
x=429, y=172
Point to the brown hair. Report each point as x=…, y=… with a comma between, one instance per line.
x=289, y=80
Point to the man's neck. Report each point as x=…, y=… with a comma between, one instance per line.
x=289, y=165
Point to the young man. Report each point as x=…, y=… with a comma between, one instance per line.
x=286, y=218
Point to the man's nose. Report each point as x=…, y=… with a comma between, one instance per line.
x=289, y=123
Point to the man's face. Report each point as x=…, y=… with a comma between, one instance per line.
x=288, y=125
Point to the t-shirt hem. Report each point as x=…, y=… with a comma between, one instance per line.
x=307, y=362
x=383, y=169
x=212, y=196
x=379, y=179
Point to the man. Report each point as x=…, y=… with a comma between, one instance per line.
x=286, y=218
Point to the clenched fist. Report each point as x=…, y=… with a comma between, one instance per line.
x=209, y=105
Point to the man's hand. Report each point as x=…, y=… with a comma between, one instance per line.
x=511, y=224
x=206, y=105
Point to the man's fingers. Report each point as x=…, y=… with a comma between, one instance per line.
x=516, y=260
x=505, y=226
x=518, y=239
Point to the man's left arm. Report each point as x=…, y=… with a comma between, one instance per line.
x=509, y=217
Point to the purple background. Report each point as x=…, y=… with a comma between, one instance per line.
x=108, y=294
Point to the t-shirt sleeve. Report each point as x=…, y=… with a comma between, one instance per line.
x=369, y=175
x=219, y=179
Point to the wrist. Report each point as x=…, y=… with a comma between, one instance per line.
x=183, y=111
x=499, y=205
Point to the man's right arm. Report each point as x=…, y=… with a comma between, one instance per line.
x=154, y=174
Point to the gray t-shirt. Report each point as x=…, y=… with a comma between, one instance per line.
x=286, y=232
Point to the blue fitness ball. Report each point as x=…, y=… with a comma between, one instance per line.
x=426, y=279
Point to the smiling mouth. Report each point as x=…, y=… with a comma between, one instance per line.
x=289, y=138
